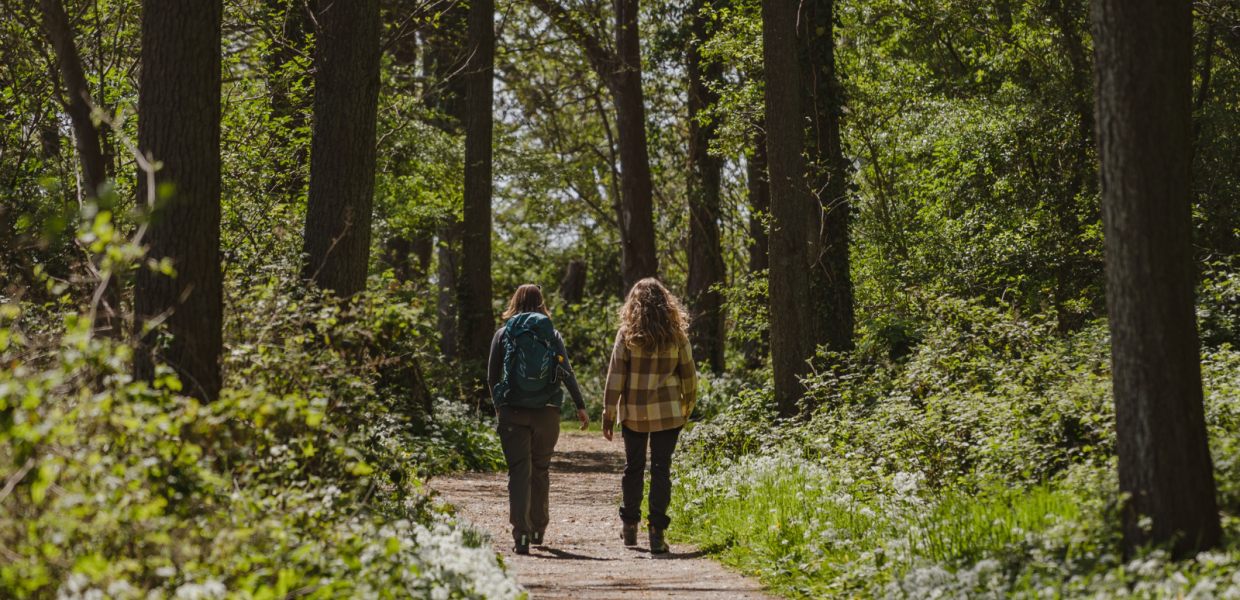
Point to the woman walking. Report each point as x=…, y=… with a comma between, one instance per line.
x=528, y=362
x=651, y=389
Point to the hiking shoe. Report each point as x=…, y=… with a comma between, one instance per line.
x=537, y=538
x=657, y=544
x=523, y=545
x=629, y=533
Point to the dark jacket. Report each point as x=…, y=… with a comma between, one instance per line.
x=495, y=366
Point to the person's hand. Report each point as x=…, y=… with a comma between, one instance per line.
x=607, y=429
x=584, y=418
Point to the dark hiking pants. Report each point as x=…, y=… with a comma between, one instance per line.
x=662, y=444
x=528, y=436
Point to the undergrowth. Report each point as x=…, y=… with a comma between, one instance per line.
x=977, y=464
x=304, y=479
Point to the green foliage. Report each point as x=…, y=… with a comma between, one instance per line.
x=304, y=478
x=980, y=464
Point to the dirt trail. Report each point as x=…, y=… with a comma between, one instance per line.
x=584, y=557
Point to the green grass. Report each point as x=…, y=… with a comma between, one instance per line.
x=802, y=533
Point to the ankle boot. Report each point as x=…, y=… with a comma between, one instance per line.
x=658, y=545
x=629, y=533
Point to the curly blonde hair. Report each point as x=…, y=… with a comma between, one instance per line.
x=651, y=318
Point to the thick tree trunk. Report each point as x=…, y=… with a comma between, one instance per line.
x=794, y=209
x=573, y=285
x=476, y=318
x=449, y=268
x=705, y=256
x=759, y=189
x=639, y=255
x=830, y=278
x=179, y=125
x=342, y=151
x=1143, y=52
x=77, y=93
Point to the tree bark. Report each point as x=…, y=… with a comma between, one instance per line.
x=620, y=71
x=639, y=258
x=831, y=277
x=77, y=88
x=759, y=190
x=449, y=267
x=342, y=150
x=810, y=284
x=793, y=207
x=1143, y=84
x=705, y=255
x=573, y=285
x=179, y=125
x=476, y=318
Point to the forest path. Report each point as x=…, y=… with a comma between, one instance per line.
x=584, y=557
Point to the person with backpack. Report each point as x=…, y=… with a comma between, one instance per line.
x=528, y=362
x=651, y=389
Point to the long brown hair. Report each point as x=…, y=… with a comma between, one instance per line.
x=651, y=318
x=527, y=298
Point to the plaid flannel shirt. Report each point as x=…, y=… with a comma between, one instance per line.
x=649, y=391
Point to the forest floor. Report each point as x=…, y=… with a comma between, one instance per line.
x=583, y=556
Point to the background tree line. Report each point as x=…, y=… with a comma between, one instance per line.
x=818, y=165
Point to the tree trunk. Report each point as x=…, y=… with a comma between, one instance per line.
x=89, y=148
x=1143, y=84
x=476, y=318
x=179, y=125
x=639, y=255
x=705, y=256
x=342, y=151
x=1080, y=179
x=620, y=71
x=288, y=103
x=409, y=256
x=794, y=209
x=449, y=267
x=77, y=88
x=573, y=286
x=830, y=277
x=759, y=189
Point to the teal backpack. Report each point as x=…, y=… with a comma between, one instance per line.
x=531, y=364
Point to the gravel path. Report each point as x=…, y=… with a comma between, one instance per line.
x=584, y=557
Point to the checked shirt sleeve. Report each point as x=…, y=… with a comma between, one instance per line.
x=688, y=380
x=617, y=377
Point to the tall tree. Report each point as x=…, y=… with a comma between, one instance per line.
x=810, y=285
x=475, y=316
x=179, y=126
x=705, y=255
x=620, y=71
x=830, y=278
x=758, y=188
x=342, y=149
x=92, y=163
x=443, y=56
x=77, y=88
x=1143, y=83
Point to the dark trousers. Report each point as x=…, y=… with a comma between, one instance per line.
x=662, y=444
x=528, y=436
